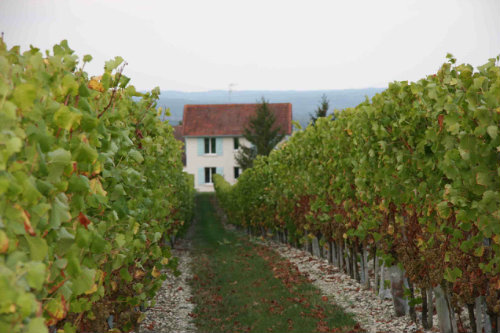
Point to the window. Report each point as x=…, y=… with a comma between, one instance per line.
x=236, y=172
x=209, y=172
x=236, y=143
x=210, y=146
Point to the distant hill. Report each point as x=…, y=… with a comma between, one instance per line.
x=304, y=103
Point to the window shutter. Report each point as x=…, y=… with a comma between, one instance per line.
x=218, y=146
x=201, y=146
x=201, y=175
x=220, y=171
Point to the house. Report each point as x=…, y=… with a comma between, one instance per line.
x=213, y=134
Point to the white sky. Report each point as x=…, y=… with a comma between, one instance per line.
x=201, y=45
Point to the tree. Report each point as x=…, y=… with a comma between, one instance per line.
x=321, y=110
x=262, y=133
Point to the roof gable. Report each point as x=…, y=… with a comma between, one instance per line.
x=229, y=119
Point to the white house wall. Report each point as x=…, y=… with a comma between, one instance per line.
x=225, y=162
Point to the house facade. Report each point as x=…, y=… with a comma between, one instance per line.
x=213, y=134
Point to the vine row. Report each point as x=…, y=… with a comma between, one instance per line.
x=91, y=187
x=410, y=180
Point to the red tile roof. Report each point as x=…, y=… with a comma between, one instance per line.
x=229, y=119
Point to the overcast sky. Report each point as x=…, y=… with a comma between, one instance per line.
x=202, y=45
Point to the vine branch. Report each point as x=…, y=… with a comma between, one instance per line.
x=113, y=94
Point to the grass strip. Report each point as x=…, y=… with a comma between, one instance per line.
x=240, y=286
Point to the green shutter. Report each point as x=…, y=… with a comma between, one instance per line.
x=201, y=175
x=220, y=171
x=201, y=146
x=218, y=146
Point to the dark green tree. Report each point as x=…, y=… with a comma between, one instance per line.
x=321, y=110
x=262, y=133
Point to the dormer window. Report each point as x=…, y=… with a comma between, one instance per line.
x=210, y=146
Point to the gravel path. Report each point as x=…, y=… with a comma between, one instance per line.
x=173, y=301
x=374, y=314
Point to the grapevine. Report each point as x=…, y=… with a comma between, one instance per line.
x=412, y=176
x=91, y=186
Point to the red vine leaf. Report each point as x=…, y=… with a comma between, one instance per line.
x=84, y=220
x=440, y=121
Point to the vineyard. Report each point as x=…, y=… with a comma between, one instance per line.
x=91, y=189
x=401, y=192
x=408, y=182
